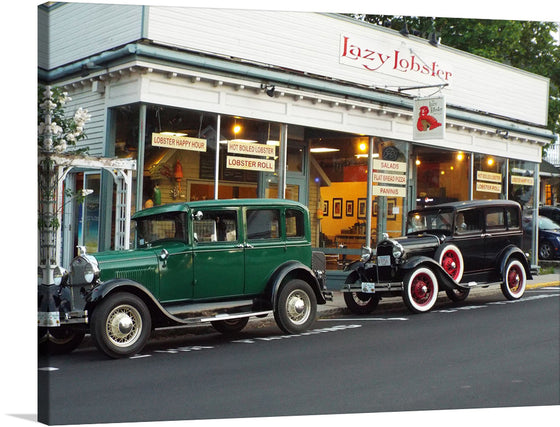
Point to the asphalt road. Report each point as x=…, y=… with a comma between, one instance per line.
x=487, y=353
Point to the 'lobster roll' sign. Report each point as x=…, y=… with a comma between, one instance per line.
x=428, y=118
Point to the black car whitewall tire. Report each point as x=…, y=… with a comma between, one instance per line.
x=451, y=260
x=457, y=295
x=360, y=302
x=420, y=290
x=230, y=326
x=515, y=280
x=121, y=325
x=296, y=307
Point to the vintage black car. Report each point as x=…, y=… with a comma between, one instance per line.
x=451, y=247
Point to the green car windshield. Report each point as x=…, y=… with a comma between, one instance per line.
x=429, y=221
x=156, y=229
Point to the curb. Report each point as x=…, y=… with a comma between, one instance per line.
x=543, y=284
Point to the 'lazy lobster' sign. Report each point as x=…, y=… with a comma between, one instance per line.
x=428, y=118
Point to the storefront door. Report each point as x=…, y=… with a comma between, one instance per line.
x=88, y=213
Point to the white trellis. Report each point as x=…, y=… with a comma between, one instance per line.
x=120, y=169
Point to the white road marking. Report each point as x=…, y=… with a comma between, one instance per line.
x=364, y=319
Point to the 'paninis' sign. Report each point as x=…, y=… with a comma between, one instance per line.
x=396, y=60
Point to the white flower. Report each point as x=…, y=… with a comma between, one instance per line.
x=56, y=129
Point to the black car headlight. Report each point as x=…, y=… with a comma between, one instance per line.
x=398, y=251
x=366, y=254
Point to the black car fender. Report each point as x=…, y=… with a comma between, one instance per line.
x=293, y=270
x=509, y=252
x=362, y=273
x=444, y=279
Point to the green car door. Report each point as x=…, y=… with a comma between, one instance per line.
x=218, y=254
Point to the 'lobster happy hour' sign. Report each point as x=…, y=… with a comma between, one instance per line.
x=428, y=118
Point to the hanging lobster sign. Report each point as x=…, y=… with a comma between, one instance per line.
x=428, y=118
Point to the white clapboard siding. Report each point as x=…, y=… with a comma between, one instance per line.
x=95, y=127
x=76, y=31
x=310, y=42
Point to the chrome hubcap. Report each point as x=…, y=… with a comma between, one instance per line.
x=124, y=325
x=297, y=306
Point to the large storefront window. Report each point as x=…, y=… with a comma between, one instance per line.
x=522, y=183
x=441, y=176
x=489, y=177
x=178, y=174
x=340, y=164
x=248, y=155
x=521, y=188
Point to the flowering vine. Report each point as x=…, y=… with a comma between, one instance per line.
x=56, y=132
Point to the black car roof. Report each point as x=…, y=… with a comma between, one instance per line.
x=470, y=204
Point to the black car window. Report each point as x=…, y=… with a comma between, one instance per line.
x=495, y=219
x=512, y=215
x=216, y=226
x=468, y=221
x=429, y=221
x=294, y=224
x=263, y=224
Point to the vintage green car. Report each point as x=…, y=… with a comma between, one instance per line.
x=218, y=261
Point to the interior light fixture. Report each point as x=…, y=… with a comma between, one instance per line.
x=244, y=140
x=363, y=146
x=236, y=129
x=364, y=156
x=460, y=156
x=173, y=133
x=323, y=150
x=418, y=162
x=490, y=161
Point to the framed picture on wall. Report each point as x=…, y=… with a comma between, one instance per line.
x=391, y=204
x=325, y=208
x=337, y=208
x=374, y=207
x=349, y=207
x=362, y=208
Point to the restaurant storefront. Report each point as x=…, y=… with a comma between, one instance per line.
x=211, y=117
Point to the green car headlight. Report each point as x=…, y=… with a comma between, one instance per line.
x=90, y=272
x=60, y=275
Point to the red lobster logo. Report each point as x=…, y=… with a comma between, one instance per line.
x=425, y=121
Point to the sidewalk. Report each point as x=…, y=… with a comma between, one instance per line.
x=337, y=305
